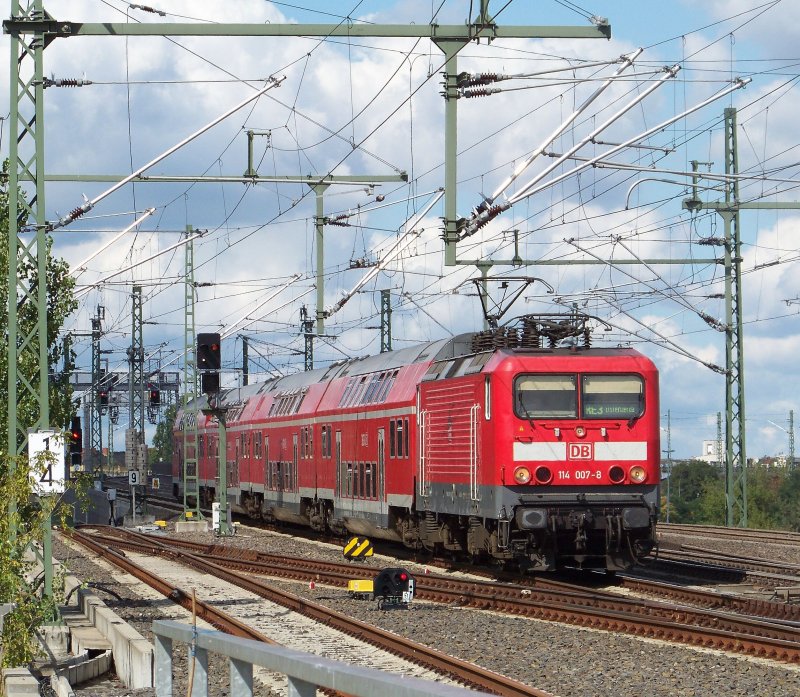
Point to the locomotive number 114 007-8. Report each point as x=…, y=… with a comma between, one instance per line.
x=578, y=475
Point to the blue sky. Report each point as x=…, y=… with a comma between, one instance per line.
x=373, y=107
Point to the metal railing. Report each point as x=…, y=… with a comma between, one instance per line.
x=305, y=671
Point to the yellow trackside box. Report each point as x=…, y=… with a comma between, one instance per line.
x=360, y=588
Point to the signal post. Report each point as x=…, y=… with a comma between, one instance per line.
x=209, y=363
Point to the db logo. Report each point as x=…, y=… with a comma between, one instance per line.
x=579, y=451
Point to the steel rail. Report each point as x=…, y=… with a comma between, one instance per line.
x=216, y=618
x=576, y=606
x=700, y=555
x=303, y=569
x=420, y=654
x=777, y=537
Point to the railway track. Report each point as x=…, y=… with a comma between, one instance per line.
x=776, y=537
x=777, y=638
x=463, y=671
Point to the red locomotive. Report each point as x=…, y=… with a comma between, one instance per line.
x=503, y=445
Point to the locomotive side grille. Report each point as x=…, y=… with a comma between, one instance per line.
x=451, y=434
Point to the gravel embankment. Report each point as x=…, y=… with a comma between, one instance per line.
x=561, y=659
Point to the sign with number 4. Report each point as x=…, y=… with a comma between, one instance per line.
x=47, y=461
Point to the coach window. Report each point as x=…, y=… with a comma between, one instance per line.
x=400, y=451
x=372, y=391
x=369, y=481
x=349, y=480
x=362, y=387
x=392, y=429
x=405, y=437
x=546, y=396
x=276, y=475
x=612, y=396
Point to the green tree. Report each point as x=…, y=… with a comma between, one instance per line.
x=788, y=501
x=763, y=487
x=23, y=514
x=162, y=439
x=711, y=504
x=690, y=480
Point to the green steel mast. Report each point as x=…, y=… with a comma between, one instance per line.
x=191, y=482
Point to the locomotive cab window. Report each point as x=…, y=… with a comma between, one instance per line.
x=612, y=396
x=546, y=396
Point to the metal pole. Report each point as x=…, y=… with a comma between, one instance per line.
x=386, y=321
x=450, y=50
x=669, y=458
x=191, y=393
x=319, y=191
x=225, y=527
x=734, y=345
x=245, y=361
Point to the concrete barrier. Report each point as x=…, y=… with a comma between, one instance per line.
x=18, y=682
x=133, y=654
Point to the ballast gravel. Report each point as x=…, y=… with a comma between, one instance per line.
x=564, y=660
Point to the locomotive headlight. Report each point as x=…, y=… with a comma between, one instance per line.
x=637, y=474
x=580, y=431
x=522, y=475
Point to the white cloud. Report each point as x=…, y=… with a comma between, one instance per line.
x=260, y=235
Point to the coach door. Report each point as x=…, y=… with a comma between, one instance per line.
x=267, y=473
x=381, y=473
x=291, y=483
x=339, y=463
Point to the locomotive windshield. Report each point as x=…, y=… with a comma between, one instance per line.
x=557, y=396
x=612, y=396
x=546, y=396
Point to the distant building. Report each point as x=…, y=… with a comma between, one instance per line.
x=779, y=462
x=709, y=454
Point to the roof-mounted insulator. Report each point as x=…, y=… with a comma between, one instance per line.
x=65, y=82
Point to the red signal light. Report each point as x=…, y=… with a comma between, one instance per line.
x=403, y=576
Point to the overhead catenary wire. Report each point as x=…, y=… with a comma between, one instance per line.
x=627, y=61
x=88, y=205
x=80, y=267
